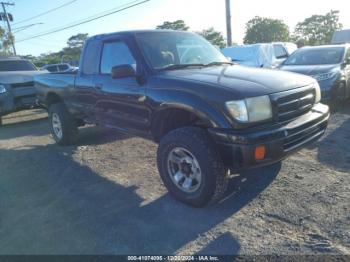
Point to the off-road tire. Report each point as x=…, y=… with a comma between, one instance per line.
x=214, y=176
x=69, y=125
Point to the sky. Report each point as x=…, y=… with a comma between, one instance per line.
x=197, y=14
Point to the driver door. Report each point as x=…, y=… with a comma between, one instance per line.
x=121, y=103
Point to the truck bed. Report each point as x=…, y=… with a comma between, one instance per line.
x=60, y=83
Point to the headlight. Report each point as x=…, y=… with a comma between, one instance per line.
x=2, y=89
x=317, y=93
x=251, y=109
x=325, y=76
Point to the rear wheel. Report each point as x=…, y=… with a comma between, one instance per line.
x=191, y=167
x=63, y=126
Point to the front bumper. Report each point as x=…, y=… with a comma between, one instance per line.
x=237, y=148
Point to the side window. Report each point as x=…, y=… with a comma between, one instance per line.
x=114, y=54
x=52, y=69
x=62, y=67
x=280, y=52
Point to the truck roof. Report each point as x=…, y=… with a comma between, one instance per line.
x=133, y=32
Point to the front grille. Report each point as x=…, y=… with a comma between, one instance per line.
x=299, y=137
x=25, y=84
x=291, y=104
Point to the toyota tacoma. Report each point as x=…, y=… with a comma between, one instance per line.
x=209, y=116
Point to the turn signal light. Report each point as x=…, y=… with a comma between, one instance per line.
x=260, y=152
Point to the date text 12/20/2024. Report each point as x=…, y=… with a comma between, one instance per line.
x=173, y=258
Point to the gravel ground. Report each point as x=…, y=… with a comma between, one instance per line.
x=105, y=196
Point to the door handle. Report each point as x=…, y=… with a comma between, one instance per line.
x=99, y=86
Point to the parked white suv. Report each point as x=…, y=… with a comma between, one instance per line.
x=267, y=55
x=56, y=68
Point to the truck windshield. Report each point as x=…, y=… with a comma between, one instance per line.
x=16, y=65
x=316, y=56
x=163, y=50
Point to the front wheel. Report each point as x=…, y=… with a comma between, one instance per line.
x=63, y=126
x=191, y=168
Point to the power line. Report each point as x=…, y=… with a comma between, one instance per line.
x=90, y=17
x=20, y=29
x=84, y=22
x=46, y=12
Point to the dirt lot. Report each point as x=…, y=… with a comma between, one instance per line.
x=104, y=196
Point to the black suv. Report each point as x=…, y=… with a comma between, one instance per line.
x=329, y=65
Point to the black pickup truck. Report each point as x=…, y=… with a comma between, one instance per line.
x=208, y=115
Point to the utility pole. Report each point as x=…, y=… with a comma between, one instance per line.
x=228, y=22
x=8, y=25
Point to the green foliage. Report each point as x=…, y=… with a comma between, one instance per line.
x=74, y=46
x=48, y=58
x=5, y=42
x=176, y=25
x=265, y=30
x=77, y=40
x=318, y=29
x=214, y=37
x=69, y=53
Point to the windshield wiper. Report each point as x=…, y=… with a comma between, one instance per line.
x=218, y=63
x=180, y=66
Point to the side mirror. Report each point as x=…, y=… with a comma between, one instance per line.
x=122, y=71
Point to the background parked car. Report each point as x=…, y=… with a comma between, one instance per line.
x=16, y=85
x=56, y=68
x=329, y=65
x=341, y=37
x=269, y=55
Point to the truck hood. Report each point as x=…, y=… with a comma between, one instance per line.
x=14, y=77
x=310, y=69
x=243, y=81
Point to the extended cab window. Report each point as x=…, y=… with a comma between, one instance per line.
x=91, y=51
x=114, y=54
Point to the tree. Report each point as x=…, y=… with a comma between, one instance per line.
x=74, y=46
x=214, y=37
x=77, y=41
x=265, y=30
x=5, y=42
x=176, y=25
x=69, y=53
x=318, y=29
